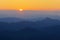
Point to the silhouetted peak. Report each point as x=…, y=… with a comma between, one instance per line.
x=47, y=18
x=50, y=21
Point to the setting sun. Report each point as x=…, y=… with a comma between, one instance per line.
x=20, y=9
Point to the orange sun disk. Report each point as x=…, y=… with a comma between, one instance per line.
x=20, y=9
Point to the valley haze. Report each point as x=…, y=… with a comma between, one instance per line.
x=30, y=14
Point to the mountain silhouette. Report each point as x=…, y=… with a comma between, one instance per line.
x=10, y=19
x=49, y=22
x=46, y=29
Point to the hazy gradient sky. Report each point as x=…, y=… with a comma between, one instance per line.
x=30, y=4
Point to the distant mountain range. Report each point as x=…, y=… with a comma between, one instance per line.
x=13, y=19
x=17, y=23
x=10, y=19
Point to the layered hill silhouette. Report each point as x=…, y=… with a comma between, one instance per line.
x=10, y=19
x=19, y=23
x=46, y=29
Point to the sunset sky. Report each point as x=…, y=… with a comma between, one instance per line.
x=30, y=4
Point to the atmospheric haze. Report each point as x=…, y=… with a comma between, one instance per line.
x=29, y=13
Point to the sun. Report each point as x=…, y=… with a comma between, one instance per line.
x=20, y=9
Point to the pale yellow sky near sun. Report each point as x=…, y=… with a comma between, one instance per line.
x=30, y=4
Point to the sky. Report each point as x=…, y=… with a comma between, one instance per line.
x=30, y=4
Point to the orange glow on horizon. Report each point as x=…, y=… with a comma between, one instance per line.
x=30, y=4
x=20, y=9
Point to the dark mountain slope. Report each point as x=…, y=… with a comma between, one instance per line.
x=9, y=19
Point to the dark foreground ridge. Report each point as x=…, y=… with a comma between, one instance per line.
x=47, y=29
